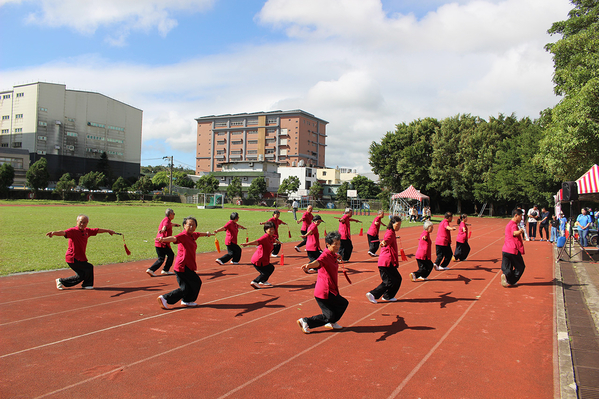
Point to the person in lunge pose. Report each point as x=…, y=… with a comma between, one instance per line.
x=388, y=264
x=163, y=250
x=233, y=250
x=326, y=291
x=346, y=247
x=512, y=263
x=312, y=237
x=373, y=233
x=261, y=258
x=462, y=248
x=275, y=222
x=423, y=254
x=185, y=266
x=75, y=256
x=305, y=220
x=443, y=243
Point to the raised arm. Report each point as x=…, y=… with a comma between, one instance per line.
x=56, y=233
x=111, y=232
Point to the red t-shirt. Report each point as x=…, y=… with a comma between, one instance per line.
x=313, y=241
x=424, y=246
x=306, y=220
x=78, y=243
x=186, y=251
x=277, y=223
x=462, y=235
x=262, y=255
x=326, y=280
x=344, y=228
x=388, y=256
x=232, y=228
x=443, y=235
x=374, y=228
x=512, y=245
x=167, y=233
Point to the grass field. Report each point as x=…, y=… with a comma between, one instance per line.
x=24, y=246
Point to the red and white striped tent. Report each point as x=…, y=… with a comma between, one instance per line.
x=589, y=182
x=410, y=193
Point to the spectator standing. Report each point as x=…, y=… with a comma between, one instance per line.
x=562, y=224
x=294, y=206
x=584, y=223
x=544, y=224
x=554, y=229
x=533, y=216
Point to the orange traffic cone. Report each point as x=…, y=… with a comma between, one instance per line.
x=282, y=260
x=361, y=230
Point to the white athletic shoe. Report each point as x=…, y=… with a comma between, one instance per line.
x=189, y=304
x=234, y=263
x=162, y=302
x=333, y=326
x=151, y=273
x=220, y=262
x=255, y=285
x=371, y=297
x=265, y=284
x=303, y=325
x=388, y=300
x=167, y=273
x=436, y=266
x=59, y=284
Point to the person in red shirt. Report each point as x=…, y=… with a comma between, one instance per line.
x=185, y=266
x=388, y=264
x=326, y=291
x=373, y=234
x=347, y=246
x=75, y=256
x=305, y=221
x=233, y=250
x=312, y=237
x=163, y=250
x=462, y=248
x=261, y=258
x=512, y=263
x=423, y=254
x=275, y=222
x=443, y=243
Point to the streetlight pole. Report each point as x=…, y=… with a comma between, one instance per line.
x=170, y=184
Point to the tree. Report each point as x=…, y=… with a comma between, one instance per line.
x=234, y=188
x=120, y=187
x=257, y=188
x=144, y=184
x=182, y=180
x=207, y=184
x=38, y=175
x=104, y=167
x=7, y=177
x=64, y=185
x=341, y=194
x=366, y=188
x=289, y=185
x=161, y=179
x=92, y=180
x=570, y=146
x=316, y=190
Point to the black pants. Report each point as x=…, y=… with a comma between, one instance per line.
x=85, y=274
x=189, y=287
x=346, y=249
x=301, y=244
x=313, y=255
x=163, y=253
x=532, y=230
x=424, y=268
x=390, y=285
x=332, y=309
x=276, y=248
x=462, y=249
x=546, y=228
x=265, y=272
x=512, y=266
x=373, y=246
x=444, y=254
x=233, y=252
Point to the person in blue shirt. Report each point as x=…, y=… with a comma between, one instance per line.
x=562, y=224
x=584, y=222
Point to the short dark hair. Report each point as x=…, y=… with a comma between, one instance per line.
x=332, y=237
x=392, y=221
x=276, y=211
x=268, y=225
x=516, y=212
x=234, y=215
x=448, y=215
x=190, y=218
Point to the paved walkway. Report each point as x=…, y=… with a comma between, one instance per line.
x=578, y=323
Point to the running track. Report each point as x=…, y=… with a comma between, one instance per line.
x=459, y=335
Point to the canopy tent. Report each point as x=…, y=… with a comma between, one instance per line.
x=589, y=182
x=400, y=204
x=410, y=193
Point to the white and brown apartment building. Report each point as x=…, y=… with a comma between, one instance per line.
x=288, y=138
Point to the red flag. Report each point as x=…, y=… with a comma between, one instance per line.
x=401, y=251
x=289, y=231
x=217, y=244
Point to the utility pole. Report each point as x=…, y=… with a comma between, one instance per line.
x=170, y=184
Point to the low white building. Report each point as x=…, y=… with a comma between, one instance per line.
x=306, y=175
x=247, y=172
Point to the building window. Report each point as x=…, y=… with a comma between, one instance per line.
x=71, y=134
x=237, y=142
x=221, y=133
x=19, y=130
x=89, y=136
x=115, y=141
x=236, y=133
x=270, y=150
x=220, y=124
x=42, y=123
x=221, y=142
x=252, y=151
x=5, y=131
x=236, y=123
x=5, y=117
x=43, y=109
x=6, y=96
x=19, y=116
x=252, y=132
x=17, y=144
x=237, y=152
x=252, y=141
x=43, y=138
x=271, y=141
x=16, y=163
x=95, y=124
x=271, y=121
x=253, y=121
x=40, y=152
x=70, y=119
x=220, y=152
x=20, y=95
x=120, y=129
x=4, y=144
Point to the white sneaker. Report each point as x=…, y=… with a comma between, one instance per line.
x=297, y=249
x=189, y=304
x=388, y=300
x=441, y=268
x=436, y=266
x=234, y=263
x=303, y=325
x=162, y=302
x=167, y=273
x=274, y=256
x=59, y=284
x=151, y=273
x=371, y=254
x=371, y=297
x=265, y=284
x=413, y=277
x=88, y=287
x=333, y=326
x=220, y=262
x=255, y=285
x=422, y=279
x=504, y=281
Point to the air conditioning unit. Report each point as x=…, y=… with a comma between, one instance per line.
x=251, y=164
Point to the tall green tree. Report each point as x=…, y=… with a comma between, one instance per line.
x=257, y=188
x=289, y=185
x=366, y=188
x=341, y=194
x=316, y=190
x=207, y=184
x=234, y=188
x=182, y=180
x=120, y=188
x=92, y=180
x=144, y=185
x=570, y=146
x=104, y=167
x=64, y=185
x=7, y=177
x=38, y=175
x=161, y=179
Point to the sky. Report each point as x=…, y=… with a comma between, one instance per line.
x=364, y=66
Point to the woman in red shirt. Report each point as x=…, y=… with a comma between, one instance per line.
x=306, y=220
x=261, y=258
x=512, y=263
x=185, y=266
x=388, y=264
x=373, y=234
x=275, y=222
x=326, y=291
x=346, y=247
x=233, y=250
x=462, y=248
x=443, y=243
x=423, y=254
x=163, y=250
x=312, y=237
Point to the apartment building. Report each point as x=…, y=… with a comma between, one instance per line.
x=71, y=129
x=288, y=138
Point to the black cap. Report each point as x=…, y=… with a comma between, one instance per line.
x=317, y=217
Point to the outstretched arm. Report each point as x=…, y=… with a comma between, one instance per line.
x=315, y=264
x=111, y=232
x=56, y=233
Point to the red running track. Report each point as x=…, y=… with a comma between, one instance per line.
x=458, y=335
